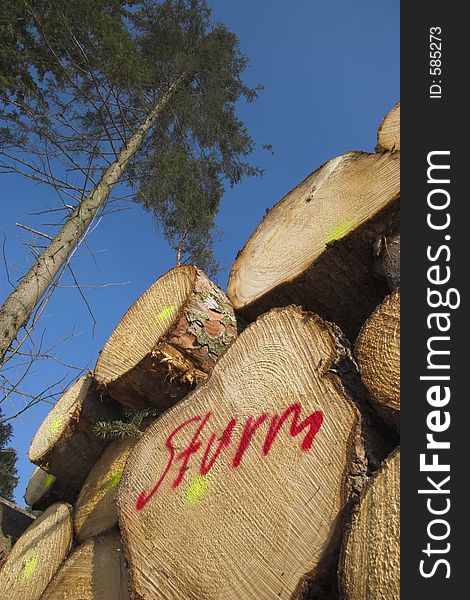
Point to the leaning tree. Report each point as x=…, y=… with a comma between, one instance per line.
x=105, y=96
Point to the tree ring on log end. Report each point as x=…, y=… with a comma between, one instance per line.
x=314, y=247
x=167, y=341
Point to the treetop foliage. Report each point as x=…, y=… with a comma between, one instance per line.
x=78, y=77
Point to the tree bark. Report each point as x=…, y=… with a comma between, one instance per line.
x=315, y=247
x=95, y=571
x=20, y=304
x=387, y=260
x=388, y=136
x=95, y=510
x=240, y=490
x=378, y=355
x=36, y=556
x=65, y=444
x=370, y=562
x=167, y=341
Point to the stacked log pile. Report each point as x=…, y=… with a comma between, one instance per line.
x=264, y=465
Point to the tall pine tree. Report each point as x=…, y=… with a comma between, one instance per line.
x=142, y=94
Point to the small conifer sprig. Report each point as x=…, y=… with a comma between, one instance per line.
x=109, y=430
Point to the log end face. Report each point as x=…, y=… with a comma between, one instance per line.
x=388, y=135
x=146, y=321
x=38, y=553
x=243, y=489
x=58, y=420
x=95, y=510
x=176, y=357
x=378, y=355
x=370, y=562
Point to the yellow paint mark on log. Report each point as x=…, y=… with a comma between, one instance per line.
x=340, y=230
x=166, y=313
x=49, y=481
x=30, y=566
x=197, y=489
x=56, y=424
x=114, y=480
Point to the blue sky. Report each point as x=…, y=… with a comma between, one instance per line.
x=330, y=71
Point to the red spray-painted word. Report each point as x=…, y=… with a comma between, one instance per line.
x=217, y=443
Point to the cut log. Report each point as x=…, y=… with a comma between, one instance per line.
x=65, y=444
x=95, y=511
x=378, y=355
x=239, y=490
x=387, y=260
x=94, y=571
x=315, y=247
x=37, y=555
x=370, y=562
x=13, y=522
x=45, y=489
x=167, y=341
x=388, y=136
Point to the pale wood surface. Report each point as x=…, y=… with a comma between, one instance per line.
x=167, y=341
x=388, y=136
x=253, y=529
x=37, y=555
x=94, y=571
x=65, y=445
x=95, y=510
x=370, y=566
x=315, y=246
x=378, y=355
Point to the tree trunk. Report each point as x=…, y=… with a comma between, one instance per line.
x=44, y=489
x=370, y=562
x=167, y=341
x=315, y=247
x=36, y=556
x=378, y=355
x=20, y=304
x=13, y=522
x=95, y=511
x=65, y=444
x=94, y=571
x=388, y=136
x=277, y=451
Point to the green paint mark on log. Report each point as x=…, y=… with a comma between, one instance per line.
x=197, y=489
x=30, y=566
x=56, y=424
x=49, y=481
x=166, y=313
x=340, y=230
x=114, y=480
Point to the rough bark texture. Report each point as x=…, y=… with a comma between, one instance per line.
x=378, y=355
x=37, y=555
x=168, y=341
x=315, y=248
x=370, y=562
x=13, y=522
x=387, y=260
x=239, y=491
x=95, y=511
x=44, y=489
x=65, y=445
x=388, y=136
x=94, y=571
x=18, y=307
